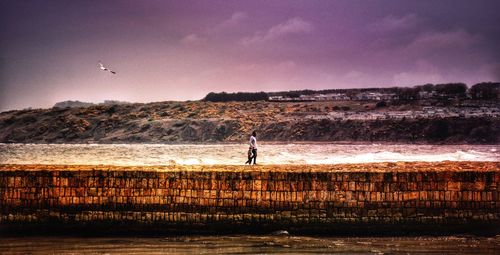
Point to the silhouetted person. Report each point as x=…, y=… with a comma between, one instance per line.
x=250, y=155
x=252, y=151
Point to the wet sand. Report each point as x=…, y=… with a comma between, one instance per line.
x=247, y=244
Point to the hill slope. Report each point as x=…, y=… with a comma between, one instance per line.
x=173, y=122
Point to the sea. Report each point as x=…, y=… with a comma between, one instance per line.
x=235, y=154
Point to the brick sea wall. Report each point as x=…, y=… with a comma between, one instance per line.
x=274, y=197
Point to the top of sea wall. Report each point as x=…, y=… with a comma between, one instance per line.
x=365, y=167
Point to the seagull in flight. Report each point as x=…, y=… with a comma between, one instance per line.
x=101, y=66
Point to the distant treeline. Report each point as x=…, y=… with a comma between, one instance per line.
x=239, y=96
x=484, y=90
x=480, y=91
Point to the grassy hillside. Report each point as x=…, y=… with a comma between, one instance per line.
x=172, y=122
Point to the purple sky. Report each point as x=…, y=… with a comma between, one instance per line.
x=181, y=50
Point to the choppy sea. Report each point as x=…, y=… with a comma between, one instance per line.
x=235, y=154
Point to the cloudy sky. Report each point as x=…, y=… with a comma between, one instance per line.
x=181, y=50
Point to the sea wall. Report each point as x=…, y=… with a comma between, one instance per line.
x=315, y=198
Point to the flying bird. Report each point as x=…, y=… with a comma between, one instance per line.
x=105, y=69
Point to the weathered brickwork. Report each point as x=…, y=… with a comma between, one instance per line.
x=259, y=195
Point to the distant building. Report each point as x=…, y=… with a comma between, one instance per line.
x=426, y=94
x=307, y=98
x=374, y=96
x=276, y=98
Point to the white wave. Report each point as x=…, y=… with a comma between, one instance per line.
x=395, y=157
x=235, y=154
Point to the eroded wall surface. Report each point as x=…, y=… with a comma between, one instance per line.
x=315, y=197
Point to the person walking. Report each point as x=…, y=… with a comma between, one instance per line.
x=252, y=151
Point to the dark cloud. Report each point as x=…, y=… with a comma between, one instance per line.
x=393, y=23
x=292, y=26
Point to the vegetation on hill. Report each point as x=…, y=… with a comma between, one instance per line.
x=481, y=91
x=79, y=104
x=238, y=97
x=174, y=122
x=486, y=90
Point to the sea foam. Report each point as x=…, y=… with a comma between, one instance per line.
x=236, y=154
